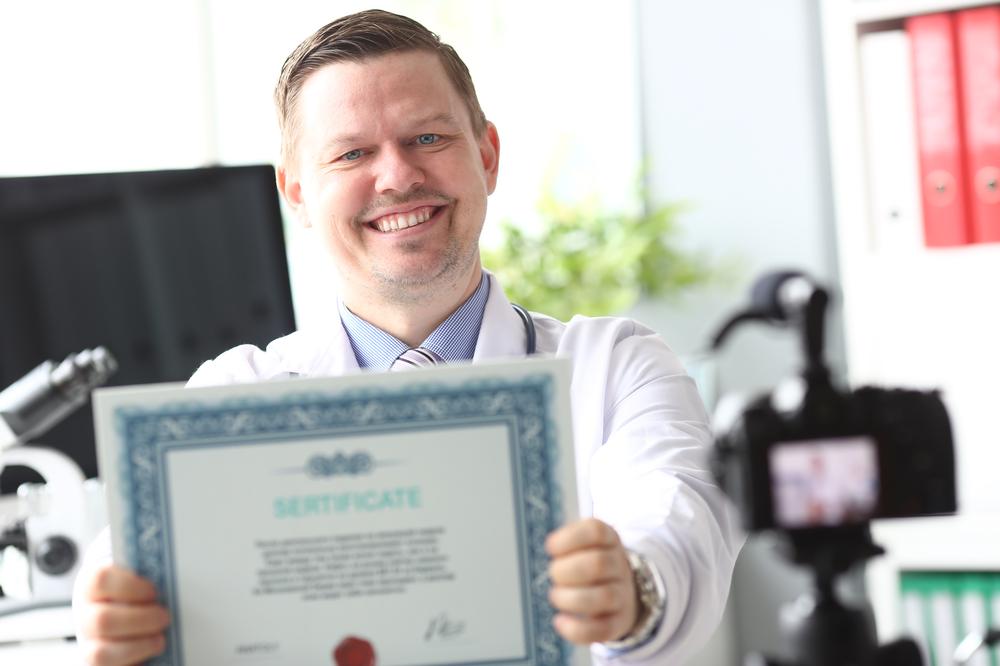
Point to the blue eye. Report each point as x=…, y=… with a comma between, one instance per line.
x=352, y=155
x=427, y=139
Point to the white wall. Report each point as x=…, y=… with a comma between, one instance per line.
x=734, y=123
x=107, y=85
x=116, y=85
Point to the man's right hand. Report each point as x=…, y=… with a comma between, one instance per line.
x=118, y=618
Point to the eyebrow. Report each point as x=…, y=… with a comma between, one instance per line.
x=351, y=139
x=446, y=118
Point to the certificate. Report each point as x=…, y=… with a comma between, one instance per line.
x=391, y=519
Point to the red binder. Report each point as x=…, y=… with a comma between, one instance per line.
x=979, y=66
x=939, y=129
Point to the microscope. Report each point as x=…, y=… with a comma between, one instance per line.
x=46, y=526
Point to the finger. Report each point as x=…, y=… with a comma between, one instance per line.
x=587, y=533
x=590, y=567
x=123, y=653
x=114, y=583
x=583, y=630
x=120, y=621
x=596, y=600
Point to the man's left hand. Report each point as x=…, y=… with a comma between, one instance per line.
x=592, y=583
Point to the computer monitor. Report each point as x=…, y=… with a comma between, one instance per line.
x=166, y=269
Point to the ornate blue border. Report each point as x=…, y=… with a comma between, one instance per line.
x=526, y=404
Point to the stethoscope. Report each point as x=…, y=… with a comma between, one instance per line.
x=529, y=328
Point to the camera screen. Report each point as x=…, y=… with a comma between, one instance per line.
x=824, y=482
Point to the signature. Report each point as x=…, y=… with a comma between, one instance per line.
x=442, y=626
x=260, y=647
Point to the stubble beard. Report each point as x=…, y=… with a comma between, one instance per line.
x=422, y=286
x=418, y=288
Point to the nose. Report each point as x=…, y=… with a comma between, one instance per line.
x=397, y=171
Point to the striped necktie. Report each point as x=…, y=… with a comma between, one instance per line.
x=418, y=357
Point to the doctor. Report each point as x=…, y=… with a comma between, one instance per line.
x=387, y=155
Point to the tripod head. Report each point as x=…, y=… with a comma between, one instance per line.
x=821, y=630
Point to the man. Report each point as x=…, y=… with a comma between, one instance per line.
x=388, y=156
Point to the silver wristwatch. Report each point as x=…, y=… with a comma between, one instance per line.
x=652, y=603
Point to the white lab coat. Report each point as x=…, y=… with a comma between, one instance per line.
x=641, y=436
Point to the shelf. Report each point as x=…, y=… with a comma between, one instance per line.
x=875, y=11
x=964, y=542
x=947, y=543
x=41, y=624
x=922, y=318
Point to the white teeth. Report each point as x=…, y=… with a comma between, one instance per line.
x=390, y=223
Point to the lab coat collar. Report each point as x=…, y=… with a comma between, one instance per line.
x=331, y=352
x=502, y=333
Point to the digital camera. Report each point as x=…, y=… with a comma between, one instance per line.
x=810, y=456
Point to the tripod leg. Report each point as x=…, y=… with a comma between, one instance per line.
x=756, y=659
x=974, y=642
x=902, y=652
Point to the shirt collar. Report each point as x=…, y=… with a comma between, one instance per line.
x=453, y=340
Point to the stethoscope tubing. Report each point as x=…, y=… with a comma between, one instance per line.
x=529, y=328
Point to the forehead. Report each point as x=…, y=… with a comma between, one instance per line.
x=379, y=93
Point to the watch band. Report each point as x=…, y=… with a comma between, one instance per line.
x=652, y=603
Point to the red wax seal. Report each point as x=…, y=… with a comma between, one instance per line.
x=354, y=651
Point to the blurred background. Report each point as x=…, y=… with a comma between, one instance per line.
x=718, y=111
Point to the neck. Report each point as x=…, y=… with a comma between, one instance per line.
x=411, y=321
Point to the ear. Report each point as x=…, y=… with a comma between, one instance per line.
x=290, y=188
x=489, y=153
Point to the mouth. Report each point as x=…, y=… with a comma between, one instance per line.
x=396, y=222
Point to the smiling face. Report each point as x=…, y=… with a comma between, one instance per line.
x=389, y=170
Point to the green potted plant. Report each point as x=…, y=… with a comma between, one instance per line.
x=585, y=260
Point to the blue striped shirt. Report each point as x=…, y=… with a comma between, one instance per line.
x=454, y=340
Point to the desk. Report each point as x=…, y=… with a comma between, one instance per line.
x=40, y=653
x=26, y=638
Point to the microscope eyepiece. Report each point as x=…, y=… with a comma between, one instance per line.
x=45, y=396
